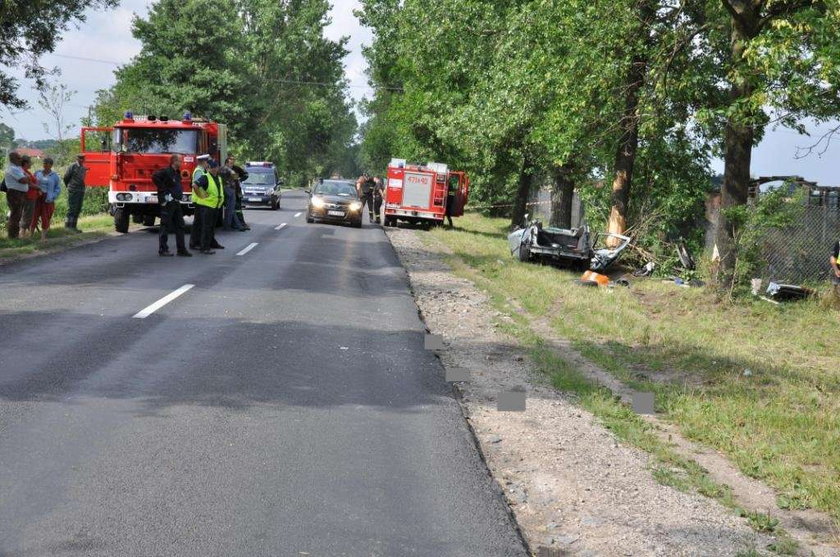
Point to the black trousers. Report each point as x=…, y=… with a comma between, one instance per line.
x=377, y=205
x=203, y=233
x=450, y=207
x=208, y=227
x=171, y=220
x=367, y=199
x=75, y=200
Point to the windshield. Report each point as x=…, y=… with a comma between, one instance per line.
x=155, y=140
x=344, y=189
x=260, y=179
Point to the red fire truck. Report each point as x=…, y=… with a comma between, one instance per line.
x=123, y=158
x=418, y=193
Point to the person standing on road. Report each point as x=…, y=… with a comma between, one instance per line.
x=170, y=193
x=74, y=179
x=200, y=167
x=835, y=268
x=241, y=176
x=49, y=186
x=208, y=197
x=364, y=187
x=32, y=195
x=231, y=179
x=17, y=184
x=378, y=195
x=451, y=194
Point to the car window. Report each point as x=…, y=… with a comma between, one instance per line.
x=342, y=189
x=260, y=178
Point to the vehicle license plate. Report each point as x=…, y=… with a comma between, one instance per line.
x=257, y=199
x=335, y=213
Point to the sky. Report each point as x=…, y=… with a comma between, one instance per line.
x=107, y=36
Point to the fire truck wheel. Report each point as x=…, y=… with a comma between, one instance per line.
x=121, y=217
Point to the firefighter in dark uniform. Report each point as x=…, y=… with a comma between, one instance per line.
x=208, y=197
x=170, y=192
x=451, y=193
x=378, y=195
x=365, y=187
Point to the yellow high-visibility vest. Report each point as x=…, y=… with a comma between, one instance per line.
x=215, y=193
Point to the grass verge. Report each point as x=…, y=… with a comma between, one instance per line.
x=756, y=381
x=58, y=238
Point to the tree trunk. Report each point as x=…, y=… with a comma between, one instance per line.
x=738, y=143
x=625, y=156
x=520, y=205
x=562, y=191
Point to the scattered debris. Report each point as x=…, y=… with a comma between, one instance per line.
x=645, y=271
x=787, y=292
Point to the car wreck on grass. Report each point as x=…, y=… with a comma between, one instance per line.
x=577, y=247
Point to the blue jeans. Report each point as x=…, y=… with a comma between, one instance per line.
x=231, y=220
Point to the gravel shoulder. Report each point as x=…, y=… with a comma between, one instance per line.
x=573, y=488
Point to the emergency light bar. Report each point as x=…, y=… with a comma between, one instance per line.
x=265, y=164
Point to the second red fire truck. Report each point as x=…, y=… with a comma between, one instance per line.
x=417, y=193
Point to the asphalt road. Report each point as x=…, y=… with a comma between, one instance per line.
x=284, y=405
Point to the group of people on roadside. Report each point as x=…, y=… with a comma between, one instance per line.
x=216, y=195
x=31, y=196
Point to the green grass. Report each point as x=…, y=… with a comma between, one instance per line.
x=779, y=423
x=58, y=238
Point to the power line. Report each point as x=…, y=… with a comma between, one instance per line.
x=287, y=81
x=86, y=59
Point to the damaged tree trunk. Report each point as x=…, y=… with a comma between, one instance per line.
x=738, y=142
x=523, y=192
x=562, y=192
x=628, y=144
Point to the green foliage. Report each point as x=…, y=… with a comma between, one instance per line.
x=488, y=85
x=30, y=29
x=263, y=68
x=750, y=223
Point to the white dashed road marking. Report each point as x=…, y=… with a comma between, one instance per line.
x=298, y=214
x=281, y=227
x=143, y=314
x=249, y=248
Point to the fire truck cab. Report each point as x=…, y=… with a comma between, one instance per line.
x=124, y=157
x=417, y=194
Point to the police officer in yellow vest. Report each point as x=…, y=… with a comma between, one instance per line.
x=200, y=167
x=208, y=198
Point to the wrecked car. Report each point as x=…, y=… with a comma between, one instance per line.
x=572, y=247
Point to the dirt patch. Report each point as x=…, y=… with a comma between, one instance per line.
x=572, y=486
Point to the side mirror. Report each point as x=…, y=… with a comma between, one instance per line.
x=308, y=192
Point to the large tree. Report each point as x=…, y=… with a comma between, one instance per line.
x=263, y=67
x=781, y=64
x=31, y=29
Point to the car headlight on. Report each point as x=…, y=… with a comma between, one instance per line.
x=318, y=202
x=355, y=206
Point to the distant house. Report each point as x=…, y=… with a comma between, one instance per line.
x=33, y=153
